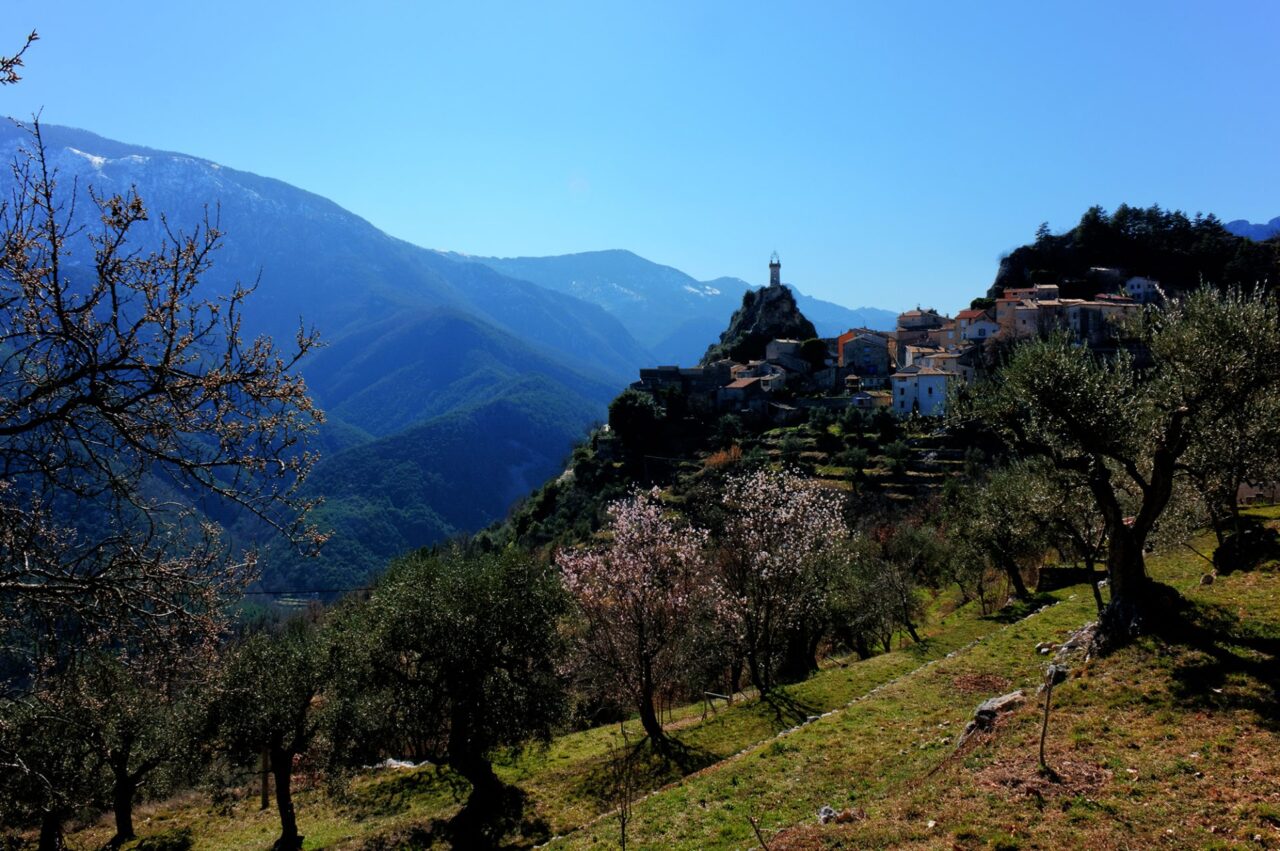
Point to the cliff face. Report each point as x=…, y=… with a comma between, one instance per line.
x=766, y=314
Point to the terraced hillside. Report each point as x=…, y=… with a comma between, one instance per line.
x=1168, y=743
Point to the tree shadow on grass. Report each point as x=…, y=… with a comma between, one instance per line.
x=504, y=820
x=1253, y=543
x=646, y=768
x=1236, y=663
x=395, y=794
x=1015, y=610
x=178, y=839
x=788, y=710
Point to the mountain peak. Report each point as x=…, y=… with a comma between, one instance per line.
x=1256, y=232
x=766, y=314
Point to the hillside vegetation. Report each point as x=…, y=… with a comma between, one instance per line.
x=1180, y=251
x=706, y=629
x=1170, y=742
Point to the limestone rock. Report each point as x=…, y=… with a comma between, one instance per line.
x=984, y=717
x=766, y=314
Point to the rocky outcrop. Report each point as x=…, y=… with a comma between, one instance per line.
x=984, y=717
x=766, y=314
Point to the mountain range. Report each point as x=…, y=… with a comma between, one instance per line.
x=453, y=385
x=668, y=311
x=1256, y=232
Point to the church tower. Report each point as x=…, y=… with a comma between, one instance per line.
x=775, y=271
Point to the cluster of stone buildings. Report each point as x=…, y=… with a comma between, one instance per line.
x=910, y=370
x=933, y=351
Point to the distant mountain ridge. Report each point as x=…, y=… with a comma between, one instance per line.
x=450, y=388
x=670, y=312
x=321, y=262
x=1256, y=232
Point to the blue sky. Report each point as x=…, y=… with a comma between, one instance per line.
x=890, y=152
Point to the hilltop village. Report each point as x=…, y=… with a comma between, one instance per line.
x=771, y=367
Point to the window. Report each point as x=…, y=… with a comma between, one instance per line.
x=930, y=391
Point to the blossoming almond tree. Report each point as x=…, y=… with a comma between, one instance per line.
x=641, y=597
x=780, y=525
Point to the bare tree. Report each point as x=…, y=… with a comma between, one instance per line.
x=131, y=411
x=129, y=405
x=9, y=65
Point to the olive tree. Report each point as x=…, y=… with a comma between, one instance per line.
x=267, y=703
x=141, y=717
x=871, y=596
x=49, y=771
x=128, y=397
x=1241, y=447
x=455, y=659
x=1125, y=423
x=1005, y=520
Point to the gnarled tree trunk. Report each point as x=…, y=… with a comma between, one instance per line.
x=1123, y=617
x=282, y=769
x=649, y=717
x=124, y=786
x=51, y=832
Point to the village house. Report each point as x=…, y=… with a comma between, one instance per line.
x=945, y=335
x=775, y=374
x=870, y=400
x=960, y=363
x=1093, y=322
x=1026, y=319
x=914, y=327
x=911, y=355
x=920, y=390
x=1004, y=310
x=1038, y=292
x=742, y=394
x=975, y=325
x=1143, y=290
x=786, y=353
x=865, y=354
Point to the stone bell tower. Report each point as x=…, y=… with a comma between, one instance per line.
x=775, y=270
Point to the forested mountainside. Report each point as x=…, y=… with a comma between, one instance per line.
x=413, y=341
x=1168, y=246
x=416, y=341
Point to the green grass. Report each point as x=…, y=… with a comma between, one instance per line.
x=1175, y=733
x=1168, y=743
x=563, y=781
x=882, y=739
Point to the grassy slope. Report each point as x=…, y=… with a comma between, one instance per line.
x=1142, y=741
x=1169, y=743
x=1164, y=744
x=563, y=781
